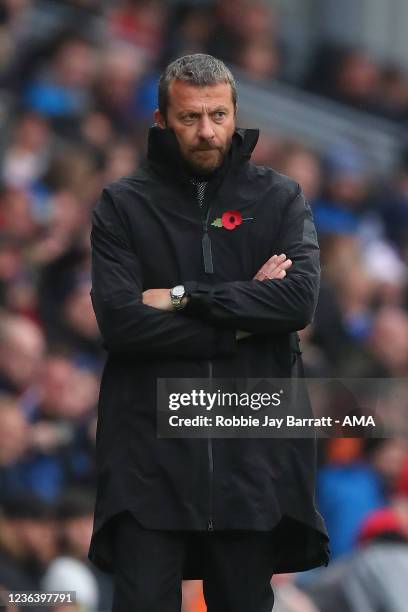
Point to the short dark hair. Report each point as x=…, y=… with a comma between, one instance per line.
x=199, y=70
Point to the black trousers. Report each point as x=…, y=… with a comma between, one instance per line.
x=149, y=566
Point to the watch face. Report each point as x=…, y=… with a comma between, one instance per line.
x=178, y=291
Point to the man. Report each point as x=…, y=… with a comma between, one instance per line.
x=204, y=265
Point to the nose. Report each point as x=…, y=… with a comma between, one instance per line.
x=206, y=130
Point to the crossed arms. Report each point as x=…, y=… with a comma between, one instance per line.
x=280, y=298
x=275, y=267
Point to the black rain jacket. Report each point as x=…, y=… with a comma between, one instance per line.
x=148, y=232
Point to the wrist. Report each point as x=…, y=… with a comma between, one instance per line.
x=178, y=297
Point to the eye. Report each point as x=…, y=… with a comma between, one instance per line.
x=219, y=115
x=189, y=119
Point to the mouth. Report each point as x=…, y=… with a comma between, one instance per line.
x=205, y=150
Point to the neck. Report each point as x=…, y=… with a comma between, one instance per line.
x=194, y=173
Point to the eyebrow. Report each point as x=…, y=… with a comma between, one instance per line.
x=196, y=112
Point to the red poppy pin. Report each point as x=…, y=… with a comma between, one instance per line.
x=230, y=220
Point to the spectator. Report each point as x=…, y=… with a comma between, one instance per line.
x=348, y=492
x=28, y=539
x=27, y=155
x=75, y=515
x=373, y=577
x=140, y=23
x=302, y=164
x=189, y=30
x=61, y=89
x=21, y=350
x=116, y=87
x=357, y=81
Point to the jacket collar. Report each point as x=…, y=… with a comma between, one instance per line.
x=163, y=151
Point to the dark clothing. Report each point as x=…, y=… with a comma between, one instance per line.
x=237, y=568
x=148, y=233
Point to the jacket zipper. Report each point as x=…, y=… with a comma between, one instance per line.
x=209, y=269
x=210, y=522
x=206, y=245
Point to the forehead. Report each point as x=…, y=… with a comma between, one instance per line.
x=183, y=96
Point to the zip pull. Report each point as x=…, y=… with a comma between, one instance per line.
x=210, y=525
x=207, y=253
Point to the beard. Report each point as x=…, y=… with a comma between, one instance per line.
x=204, y=160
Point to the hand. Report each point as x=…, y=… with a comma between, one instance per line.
x=274, y=268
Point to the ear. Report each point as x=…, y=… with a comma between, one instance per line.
x=159, y=119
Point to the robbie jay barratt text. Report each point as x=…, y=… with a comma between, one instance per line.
x=250, y=421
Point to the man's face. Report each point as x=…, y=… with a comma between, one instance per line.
x=203, y=119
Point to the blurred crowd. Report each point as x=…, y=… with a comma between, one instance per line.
x=77, y=89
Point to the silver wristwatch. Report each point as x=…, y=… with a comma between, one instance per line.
x=176, y=295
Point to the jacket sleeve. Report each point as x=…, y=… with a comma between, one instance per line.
x=126, y=324
x=276, y=306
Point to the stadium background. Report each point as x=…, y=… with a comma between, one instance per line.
x=327, y=83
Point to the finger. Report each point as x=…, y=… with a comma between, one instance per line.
x=265, y=269
x=273, y=270
x=270, y=265
x=277, y=274
x=286, y=264
x=275, y=259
